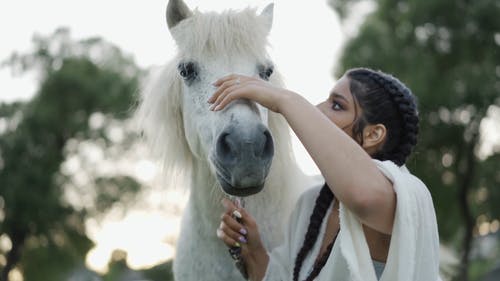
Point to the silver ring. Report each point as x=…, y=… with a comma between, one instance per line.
x=237, y=82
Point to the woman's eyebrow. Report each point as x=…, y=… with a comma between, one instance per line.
x=337, y=95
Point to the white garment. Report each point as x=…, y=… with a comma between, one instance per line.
x=414, y=247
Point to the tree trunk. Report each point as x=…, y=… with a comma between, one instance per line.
x=14, y=255
x=468, y=173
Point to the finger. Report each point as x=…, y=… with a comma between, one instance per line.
x=230, y=242
x=223, y=92
x=223, y=88
x=223, y=95
x=223, y=79
x=217, y=92
x=231, y=233
x=235, y=214
x=233, y=224
x=246, y=218
x=228, y=231
x=235, y=236
x=227, y=99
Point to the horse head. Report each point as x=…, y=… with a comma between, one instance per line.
x=236, y=142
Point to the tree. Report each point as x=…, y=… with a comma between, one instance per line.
x=447, y=52
x=79, y=81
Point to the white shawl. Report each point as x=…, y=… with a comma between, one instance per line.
x=414, y=247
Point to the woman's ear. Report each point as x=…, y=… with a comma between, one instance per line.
x=373, y=137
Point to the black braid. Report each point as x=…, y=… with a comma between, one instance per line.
x=400, y=96
x=321, y=206
x=386, y=100
x=322, y=261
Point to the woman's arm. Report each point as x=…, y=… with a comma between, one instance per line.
x=348, y=169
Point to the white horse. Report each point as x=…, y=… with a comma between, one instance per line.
x=243, y=150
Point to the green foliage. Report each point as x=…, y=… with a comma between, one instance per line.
x=78, y=81
x=448, y=53
x=479, y=267
x=54, y=258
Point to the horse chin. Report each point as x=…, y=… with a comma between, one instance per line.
x=238, y=191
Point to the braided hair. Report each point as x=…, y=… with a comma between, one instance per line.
x=384, y=100
x=321, y=206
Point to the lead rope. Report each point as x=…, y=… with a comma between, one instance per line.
x=235, y=252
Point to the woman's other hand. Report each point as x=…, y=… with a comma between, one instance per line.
x=244, y=235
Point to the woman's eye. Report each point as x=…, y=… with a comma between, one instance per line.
x=336, y=106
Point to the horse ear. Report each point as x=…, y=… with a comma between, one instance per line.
x=177, y=11
x=267, y=16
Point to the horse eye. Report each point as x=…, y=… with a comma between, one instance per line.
x=187, y=70
x=266, y=72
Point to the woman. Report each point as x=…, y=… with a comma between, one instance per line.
x=372, y=220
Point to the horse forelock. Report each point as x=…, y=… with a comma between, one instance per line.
x=232, y=32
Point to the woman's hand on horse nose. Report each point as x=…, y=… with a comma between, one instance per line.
x=231, y=77
x=226, y=86
x=233, y=87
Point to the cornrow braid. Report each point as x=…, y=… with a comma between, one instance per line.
x=402, y=97
x=386, y=100
x=323, y=201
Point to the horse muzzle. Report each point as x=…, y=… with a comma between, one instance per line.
x=242, y=159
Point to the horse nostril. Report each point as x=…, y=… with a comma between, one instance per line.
x=268, y=150
x=223, y=146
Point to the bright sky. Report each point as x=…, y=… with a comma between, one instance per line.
x=306, y=39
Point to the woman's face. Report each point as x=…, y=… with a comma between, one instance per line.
x=340, y=107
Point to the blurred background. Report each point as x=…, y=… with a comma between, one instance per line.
x=80, y=198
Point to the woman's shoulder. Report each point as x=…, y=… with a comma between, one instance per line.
x=393, y=171
x=402, y=176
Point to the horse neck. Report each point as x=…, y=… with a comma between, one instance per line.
x=204, y=192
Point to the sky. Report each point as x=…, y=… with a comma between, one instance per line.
x=306, y=40
x=305, y=56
